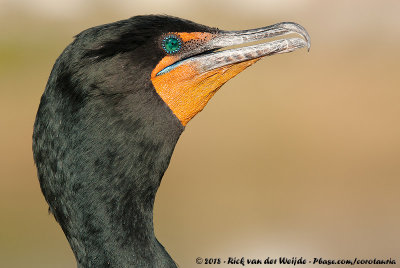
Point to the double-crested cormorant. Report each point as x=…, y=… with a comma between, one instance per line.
x=117, y=100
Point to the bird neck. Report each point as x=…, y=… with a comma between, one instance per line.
x=100, y=172
x=100, y=161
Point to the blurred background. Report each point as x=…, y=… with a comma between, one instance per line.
x=297, y=156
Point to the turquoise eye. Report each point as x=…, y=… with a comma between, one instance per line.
x=172, y=44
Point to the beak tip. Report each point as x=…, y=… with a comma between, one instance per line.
x=308, y=40
x=308, y=44
x=293, y=27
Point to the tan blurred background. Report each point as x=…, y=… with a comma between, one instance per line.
x=297, y=156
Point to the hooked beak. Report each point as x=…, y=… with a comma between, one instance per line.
x=232, y=38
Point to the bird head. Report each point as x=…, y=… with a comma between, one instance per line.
x=185, y=62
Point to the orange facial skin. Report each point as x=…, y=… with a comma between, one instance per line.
x=185, y=37
x=185, y=89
